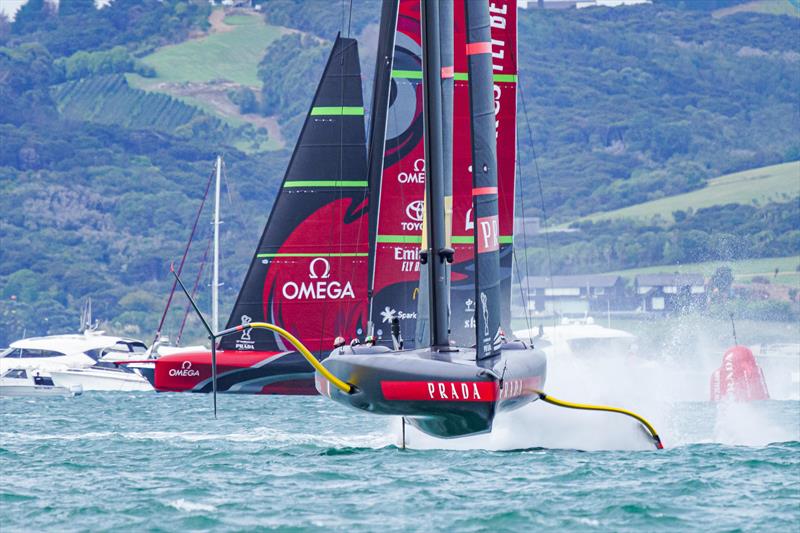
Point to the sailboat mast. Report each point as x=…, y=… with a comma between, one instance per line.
x=377, y=132
x=437, y=253
x=215, y=273
x=484, y=178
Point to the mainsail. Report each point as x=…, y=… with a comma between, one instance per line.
x=309, y=272
x=399, y=227
x=400, y=214
x=503, y=22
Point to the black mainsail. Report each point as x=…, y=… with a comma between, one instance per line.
x=309, y=271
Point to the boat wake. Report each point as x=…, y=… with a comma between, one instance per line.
x=674, y=400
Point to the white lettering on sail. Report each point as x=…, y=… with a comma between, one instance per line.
x=409, y=258
x=319, y=270
x=417, y=176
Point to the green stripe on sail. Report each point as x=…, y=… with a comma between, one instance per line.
x=400, y=239
x=314, y=254
x=325, y=183
x=466, y=239
x=316, y=111
x=463, y=76
x=408, y=74
x=506, y=77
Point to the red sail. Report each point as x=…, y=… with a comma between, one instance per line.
x=309, y=273
x=400, y=214
x=503, y=15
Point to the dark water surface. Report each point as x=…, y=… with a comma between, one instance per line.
x=145, y=461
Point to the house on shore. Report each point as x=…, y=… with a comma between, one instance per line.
x=574, y=295
x=671, y=293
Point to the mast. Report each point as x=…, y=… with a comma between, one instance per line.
x=377, y=132
x=437, y=252
x=484, y=179
x=446, y=18
x=215, y=273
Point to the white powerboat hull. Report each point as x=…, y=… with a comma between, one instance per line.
x=19, y=382
x=92, y=379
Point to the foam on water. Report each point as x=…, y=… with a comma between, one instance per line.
x=182, y=505
x=671, y=392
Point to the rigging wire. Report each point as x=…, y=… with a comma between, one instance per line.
x=185, y=254
x=197, y=280
x=525, y=290
x=545, y=224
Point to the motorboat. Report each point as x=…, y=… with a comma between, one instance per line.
x=88, y=359
x=580, y=338
x=28, y=382
x=102, y=376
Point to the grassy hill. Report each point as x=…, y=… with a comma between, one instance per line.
x=204, y=70
x=231, y=52
x=109, y=100
x=772, y=7
x=758, y=185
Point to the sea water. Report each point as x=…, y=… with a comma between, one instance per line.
x=147, y=461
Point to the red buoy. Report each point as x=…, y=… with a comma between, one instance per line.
x=739, y=378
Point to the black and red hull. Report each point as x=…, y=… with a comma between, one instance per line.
x=444, y=394
x=238, y=373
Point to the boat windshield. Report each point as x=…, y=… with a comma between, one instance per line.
x=16, y=373
x=121, y=347
x=30, y=352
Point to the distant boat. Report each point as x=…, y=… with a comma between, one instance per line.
x=28, y=382
x=739, y=378
x=79, y=359
x=581, y=338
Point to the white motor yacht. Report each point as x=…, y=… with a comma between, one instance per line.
x=79, y=359
x=580, y=337
x=27, y=382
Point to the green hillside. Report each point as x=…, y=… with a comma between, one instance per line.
x=109, y=100
x=205, y=71
x=233, y=53
x=759, y=185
